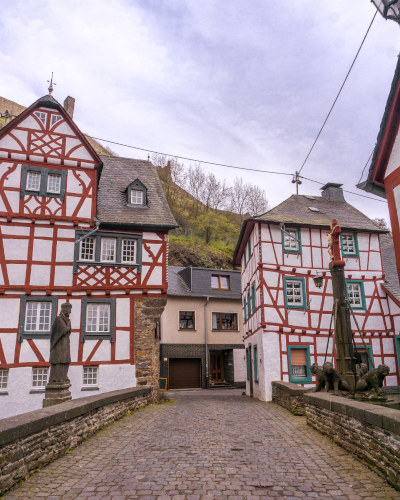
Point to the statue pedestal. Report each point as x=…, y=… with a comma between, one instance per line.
x=56, y=393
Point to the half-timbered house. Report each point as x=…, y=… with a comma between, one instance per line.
x=84, y=229
x=286, y=317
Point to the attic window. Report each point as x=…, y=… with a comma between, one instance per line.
x=136, y=194
x=313, y=209
x=41, y=116
x=55, y=119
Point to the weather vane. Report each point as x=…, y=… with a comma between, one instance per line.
x=51, y=84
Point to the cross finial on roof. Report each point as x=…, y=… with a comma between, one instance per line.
x=51, y=84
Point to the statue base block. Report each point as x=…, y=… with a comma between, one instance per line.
x=56, y=393
x=372, y=397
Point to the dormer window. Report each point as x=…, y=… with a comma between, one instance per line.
x=136, y=197
x=137, y=194
x=220, y=282
x=41, y=116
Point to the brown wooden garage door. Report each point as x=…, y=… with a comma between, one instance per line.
x=184, y=373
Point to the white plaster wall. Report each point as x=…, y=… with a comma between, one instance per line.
x=156, y=276
x=40, y=275
x=42, y=250
x=239, y=365
x=122, y=344
x=65, y=251
x=123, y=312
x=9, y=312
x=63, y=276
x=16, y=273
x=71, y=203
x=394, y=160
x=86, y=209
x=15, y=249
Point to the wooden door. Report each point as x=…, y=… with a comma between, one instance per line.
x=217, y=367
x=184, y=373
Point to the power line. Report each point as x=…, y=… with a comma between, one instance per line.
x=370, y=156
x=189, y=159
x=337, y=97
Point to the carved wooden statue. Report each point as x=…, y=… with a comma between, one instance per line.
x=373, y=379
x=333, y=379
x=60, y=356
x=319, y=373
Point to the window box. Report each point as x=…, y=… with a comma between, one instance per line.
x=37, y=316
x=355, y=294
x=295, y=293
x=224, y=322
x=98, y=319
x=220, y=282
x=39, y=181
x=289, y=245
x=186, y=320
x=109, y=248
x=299, y=364
x=349, y=244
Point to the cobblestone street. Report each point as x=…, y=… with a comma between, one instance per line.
x=207, y=444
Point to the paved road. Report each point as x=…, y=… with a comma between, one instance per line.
x=207, y=445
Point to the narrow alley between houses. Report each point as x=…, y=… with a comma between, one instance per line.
x=205, y=445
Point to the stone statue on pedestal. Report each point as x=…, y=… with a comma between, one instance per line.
x=60, y=358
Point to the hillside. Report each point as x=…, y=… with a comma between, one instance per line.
x=183, y=251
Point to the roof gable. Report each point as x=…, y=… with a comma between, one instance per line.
x=44, y=132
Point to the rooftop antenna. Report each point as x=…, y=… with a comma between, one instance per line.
x=51, y=84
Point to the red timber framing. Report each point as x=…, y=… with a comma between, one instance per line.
x=309, y=326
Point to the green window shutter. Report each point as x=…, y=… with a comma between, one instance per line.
x=255, y=363
x=248, y=305
x=249, y=248
x=244, y=310
x=247, y=363
x=253, y=297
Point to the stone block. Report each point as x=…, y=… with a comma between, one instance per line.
x=356, y=410
x=391, y=421
x=375, y=416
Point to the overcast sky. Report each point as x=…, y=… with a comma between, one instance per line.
x=240, y=82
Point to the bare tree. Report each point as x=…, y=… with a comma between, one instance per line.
x=239, y=197
x=257, y=202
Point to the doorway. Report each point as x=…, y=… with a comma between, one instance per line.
x=216, y=367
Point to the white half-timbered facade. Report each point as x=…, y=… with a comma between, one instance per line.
x=54, y=190
x=286, y=317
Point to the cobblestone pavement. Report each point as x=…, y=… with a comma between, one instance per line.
x=207, y=445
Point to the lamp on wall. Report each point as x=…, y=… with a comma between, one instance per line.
x=389, y=9
x=318, y=280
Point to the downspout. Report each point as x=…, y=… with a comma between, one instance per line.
x=206, y=340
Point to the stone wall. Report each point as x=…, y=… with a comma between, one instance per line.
x=370, y=432
x=290, y=396
x=32, y=440
x=147, y=346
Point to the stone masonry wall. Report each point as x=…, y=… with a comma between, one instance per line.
x=147, y=347
x=32, y=440
x=290, y=396
x=370, y=432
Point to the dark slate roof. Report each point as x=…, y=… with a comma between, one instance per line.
x=196, y=282
x=295, y=210
x=112, y=208
x=389, y=265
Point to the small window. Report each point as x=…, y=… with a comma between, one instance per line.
x=295, y=296
x=255, y=363
x=98, y=318
x=249, y=249
x=128, y=251
x=87, y=248
x=224, y=321
x=349, y=244
x=299, y=361
x=39, y=378
x=313, y=209
x=186, y=320
x=54, y=183
x=220, y=282
x=33, y=181
x=136, y=197
x=291, y=240
x=38, y=317
x=355, y=294
x=55, y=119
x=90, y=376
x=41, y=116
x=108, y=246
x=3, y=380
x=362, y=355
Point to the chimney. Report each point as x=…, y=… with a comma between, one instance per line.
x=333, y=192
x=69, y=106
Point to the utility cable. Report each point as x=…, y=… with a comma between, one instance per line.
x=370, y=156
x=337, y=97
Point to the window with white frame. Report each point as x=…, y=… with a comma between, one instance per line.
x=3, y=380
x=136, y=197
x=289, y=241
x=90, y=376
x=98, y=318
x=108, y=247
x=39, y=378
x=38, y=316
x=54, y=183
x=349, y=246
x=87, y=246
x=294, y=293
x=355, y=294
x=128, y=251
x=55, y=119
x=33, y=181
x=41, y=116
